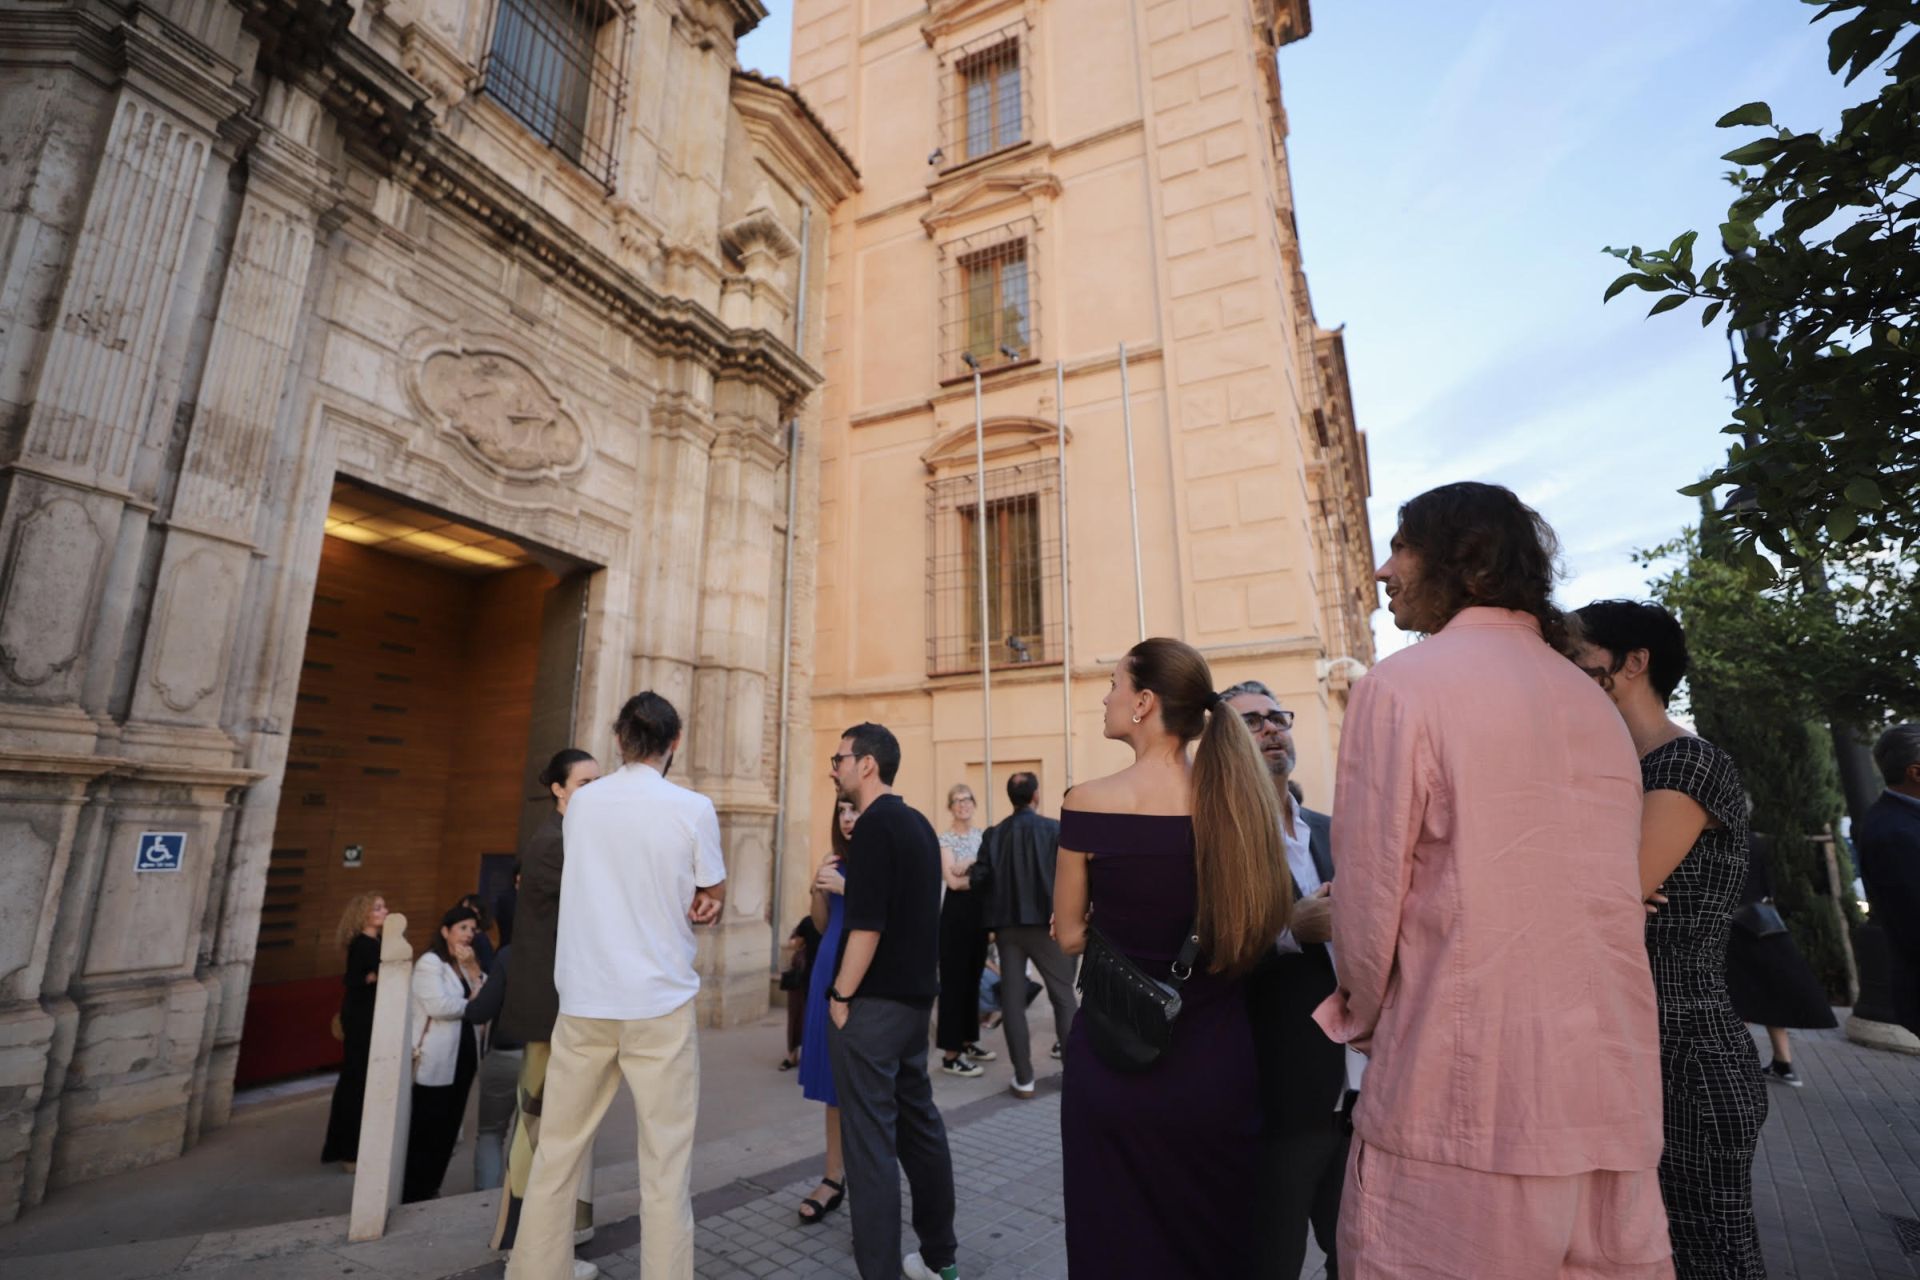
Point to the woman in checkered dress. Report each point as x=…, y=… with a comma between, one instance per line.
x=1693, y=865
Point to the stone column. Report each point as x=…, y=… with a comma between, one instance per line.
x=673, y=538
x=94, y=378
x=181, y=699
x=729, y=752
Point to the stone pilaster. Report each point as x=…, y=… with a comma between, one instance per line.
x=731, y=686
x=675, y=502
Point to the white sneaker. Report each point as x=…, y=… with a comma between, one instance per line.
x=1025, y=1092
x=584, y=1270
x=914, y=1269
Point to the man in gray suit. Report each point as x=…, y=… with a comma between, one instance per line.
x=1303, y=1074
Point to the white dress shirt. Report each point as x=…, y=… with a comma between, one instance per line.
x=637, y=847
x=1306, y=876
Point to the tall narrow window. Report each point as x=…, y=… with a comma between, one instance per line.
x=1015, y=605
x=998, y=317
x=1023, y=568
x=988, y=300
x=558, y=66
x=994, y=117
x=985, y=101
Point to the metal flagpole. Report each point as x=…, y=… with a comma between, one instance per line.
x=1133, y=495
x=986, y=624
x=1066, y=592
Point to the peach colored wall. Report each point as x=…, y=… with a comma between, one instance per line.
x=1153, y=168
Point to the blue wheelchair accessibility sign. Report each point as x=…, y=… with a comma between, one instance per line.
x=161, y=851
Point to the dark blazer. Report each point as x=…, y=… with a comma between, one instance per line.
x=532, y=1005
x=1302, y=1073
x=1013, y=876
x=1888, y=840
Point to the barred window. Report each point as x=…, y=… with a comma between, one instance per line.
x=1023, y=568
x=985, y=108
x=988, y=302
x=559, y=67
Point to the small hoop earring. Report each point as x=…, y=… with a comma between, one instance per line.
x=1136, y=719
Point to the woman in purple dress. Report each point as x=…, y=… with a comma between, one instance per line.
x=1160, y=1162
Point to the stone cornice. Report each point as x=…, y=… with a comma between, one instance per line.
x=383, y=113
x=944, y=17
x=780, y=120
x=989, y=191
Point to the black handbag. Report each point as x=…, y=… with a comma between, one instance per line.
x=1129, y=1012
x=1761, y=919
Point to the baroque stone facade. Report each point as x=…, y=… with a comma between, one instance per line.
x=1043, y=182
x=251, y=249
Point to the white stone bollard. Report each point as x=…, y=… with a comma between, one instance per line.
x=389, y=1104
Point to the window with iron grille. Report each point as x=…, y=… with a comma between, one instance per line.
x=985, y=107
x=559, y=67
x=1023, y=567
x=988, y=302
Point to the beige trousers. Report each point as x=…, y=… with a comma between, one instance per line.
x=660, y=1059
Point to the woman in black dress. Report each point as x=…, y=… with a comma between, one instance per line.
x=359, y=933
x=1693, y=865
x=1770, y=981
x=1159, y=1163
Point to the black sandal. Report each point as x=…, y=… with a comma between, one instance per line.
x=787, y=1063
x=820, y=1211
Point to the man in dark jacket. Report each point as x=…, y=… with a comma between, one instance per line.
x=1014, y=876
x=1303, y=1074
x=1888, y=839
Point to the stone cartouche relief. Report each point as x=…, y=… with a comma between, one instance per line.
x=48, y=591
x=499, y=410
x=192, y=623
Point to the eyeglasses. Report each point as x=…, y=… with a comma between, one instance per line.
x=833, y=761
x=1254, y=720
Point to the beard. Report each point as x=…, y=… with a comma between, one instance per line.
x=1281, y=769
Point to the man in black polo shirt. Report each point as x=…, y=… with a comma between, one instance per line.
x=880, y=999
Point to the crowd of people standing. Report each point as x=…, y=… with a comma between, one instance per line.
x=1476, y=1022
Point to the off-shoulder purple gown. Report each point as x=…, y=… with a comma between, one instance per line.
x=1159, y=1165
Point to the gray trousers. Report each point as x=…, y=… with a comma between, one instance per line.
x=1018, y=944
x=888, y=1123
x=499, y=1078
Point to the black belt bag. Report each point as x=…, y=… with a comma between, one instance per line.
x=1761, y=919
x=1129, y=1012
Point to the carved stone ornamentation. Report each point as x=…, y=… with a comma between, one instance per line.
x=49, y=591
x=191, y=653
x=501, y=411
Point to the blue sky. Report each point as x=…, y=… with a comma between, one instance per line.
x=1457, y=170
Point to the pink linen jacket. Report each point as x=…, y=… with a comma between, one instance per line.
x=1487, y=913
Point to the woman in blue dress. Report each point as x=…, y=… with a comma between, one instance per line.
x=816, y=1068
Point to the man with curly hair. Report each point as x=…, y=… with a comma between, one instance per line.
x=1488, y=923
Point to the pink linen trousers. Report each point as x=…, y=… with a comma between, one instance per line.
x=1488, y=921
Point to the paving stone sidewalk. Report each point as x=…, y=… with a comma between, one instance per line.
x=1836, y=1187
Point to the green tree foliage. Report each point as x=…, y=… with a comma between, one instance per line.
x=1821, y=281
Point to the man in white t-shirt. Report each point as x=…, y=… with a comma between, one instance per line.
x=643, y=867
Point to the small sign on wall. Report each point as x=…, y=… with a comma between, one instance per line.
x=161, y=851
x=351, y=856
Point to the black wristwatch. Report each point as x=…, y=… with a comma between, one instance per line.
x=833, y=993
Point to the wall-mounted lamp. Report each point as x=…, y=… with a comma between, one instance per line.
x=1324, y=669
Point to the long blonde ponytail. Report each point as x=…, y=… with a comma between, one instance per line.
x=1245, y=890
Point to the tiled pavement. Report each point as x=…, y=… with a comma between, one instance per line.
x=1839, y=1164
x=1838, y=1174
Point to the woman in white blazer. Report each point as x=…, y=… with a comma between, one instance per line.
x=445, y=1055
